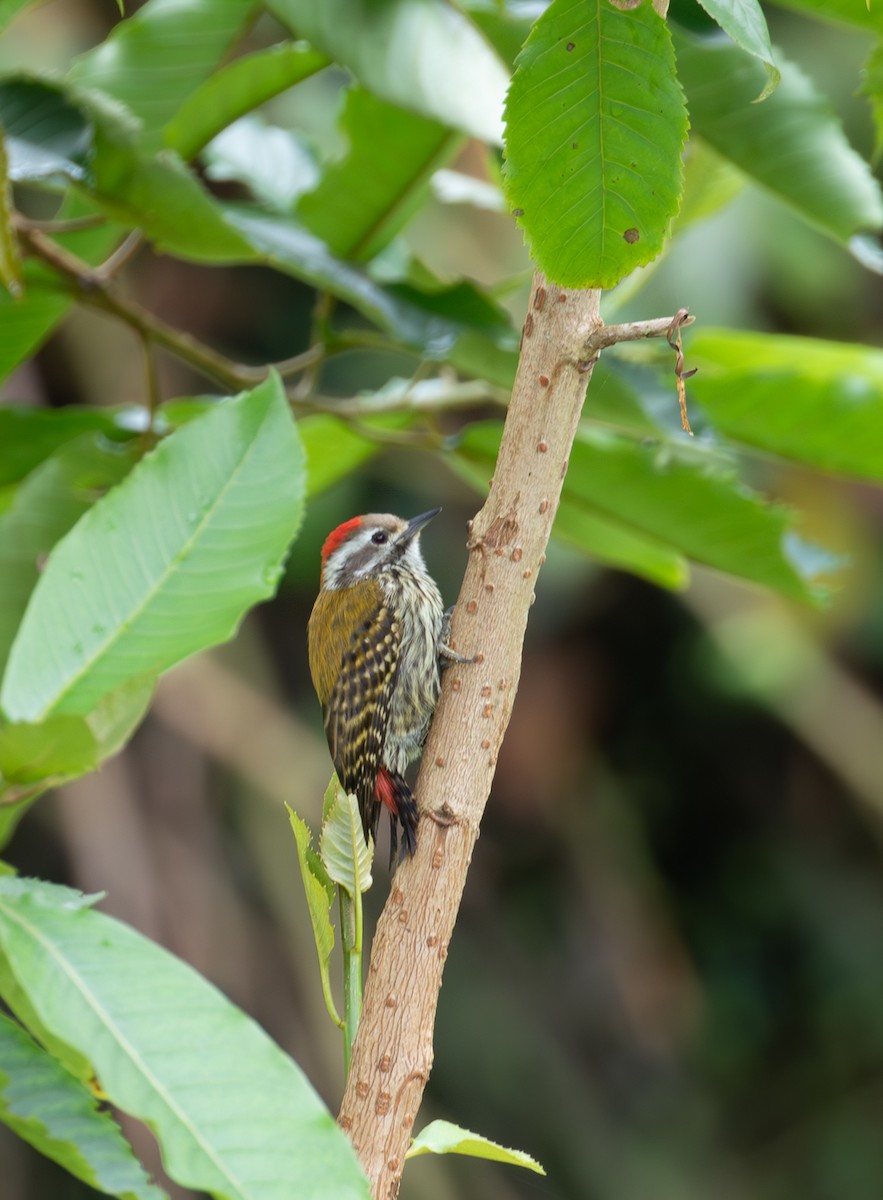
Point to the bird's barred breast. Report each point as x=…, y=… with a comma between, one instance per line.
x=415, y=599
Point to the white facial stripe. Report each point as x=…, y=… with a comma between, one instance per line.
x=358, y=556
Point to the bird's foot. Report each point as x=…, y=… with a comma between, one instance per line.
x=446, y=654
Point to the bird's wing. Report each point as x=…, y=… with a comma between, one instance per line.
x=354, y=642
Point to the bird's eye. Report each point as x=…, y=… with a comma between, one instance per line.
x=379, y=537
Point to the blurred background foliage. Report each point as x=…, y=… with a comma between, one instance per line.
x=667, y=977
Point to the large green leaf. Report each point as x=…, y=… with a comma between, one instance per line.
x=49, y=503
x=817, y=402
x=154, y=60
x=17, y=1000
x=84, y=742
x=47, y=132
x=622, y=398
x=49, y=138
x=462, y=324
x=233, y=1114
x=872, y=87
x=680, y=495
x=168, y=203
x=320, y=894
x=595, y=126
x=282, y=243
x=792, y=144
x=604, y=538
x=60, y=1117
x=165, y=564
x=617, y=544
x=744, y=22
x=456, y=323
x=421, y=54
x=710, y=183
x=333, y=450
x=363, y=200
x=276, y=165
x=238, y=89
x=676, y=495
x=30, y=435
x=158, y=194
x=36, y=757
x=60, y=747
x=114, y=720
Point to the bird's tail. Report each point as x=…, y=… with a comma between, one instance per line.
x=391, y=790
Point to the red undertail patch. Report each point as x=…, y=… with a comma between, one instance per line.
x=385, y=791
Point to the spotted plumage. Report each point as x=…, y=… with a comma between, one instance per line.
x=356, y=699
x=375, y=638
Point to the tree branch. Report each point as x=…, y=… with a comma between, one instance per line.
x=92, y=288
x=434, y=395
x=62, y=225
x=635, y=331
x=393, y=1052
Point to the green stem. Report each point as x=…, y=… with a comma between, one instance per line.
x=351, y=939
x=329, y=1000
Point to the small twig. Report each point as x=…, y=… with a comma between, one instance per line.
x=322, y=310
x=429, y=396
x=319, y=338
x=633, y=331
x=361, y=339
x=411, y=439
x=300, y=362
x=667, y=327
x=93, y=287
x=61, y=225
x=128, y=247
x=90, y=288
x=673, y=337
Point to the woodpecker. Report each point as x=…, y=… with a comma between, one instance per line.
x=376, y=646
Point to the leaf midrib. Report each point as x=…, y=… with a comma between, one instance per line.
x=126, y=624
x=121, y=1040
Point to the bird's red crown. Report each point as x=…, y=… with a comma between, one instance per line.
x=337, y=536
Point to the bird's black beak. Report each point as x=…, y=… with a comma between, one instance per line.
x=415, y=525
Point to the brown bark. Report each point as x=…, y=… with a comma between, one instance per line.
x=393, y=1051
x=392, y=1056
